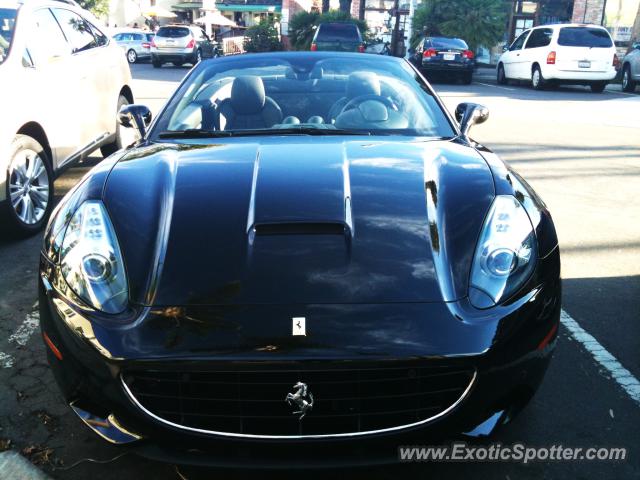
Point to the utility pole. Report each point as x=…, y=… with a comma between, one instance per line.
x=396, y=28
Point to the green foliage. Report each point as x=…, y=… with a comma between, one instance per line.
x=100, y=8
x=478, y=22
x=302, y=26
x=262, y=37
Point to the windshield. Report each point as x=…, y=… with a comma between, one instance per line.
x=305, y=94
x=7, y=27
x=172, y=32
x=439, y=42
x=335, y=32
x=584, y=37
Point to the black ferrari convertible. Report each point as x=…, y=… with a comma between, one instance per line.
x=304, y=261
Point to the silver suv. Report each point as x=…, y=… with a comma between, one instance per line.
x=62, y=82
x=180, y=44
x=631, y=68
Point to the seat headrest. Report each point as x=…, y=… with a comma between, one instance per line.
x=247, y=95
x=362, y=83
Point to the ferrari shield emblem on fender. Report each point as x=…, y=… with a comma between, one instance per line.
x=298, y=326
x=302, y=399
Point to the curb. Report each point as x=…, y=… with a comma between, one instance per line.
x=15, y=467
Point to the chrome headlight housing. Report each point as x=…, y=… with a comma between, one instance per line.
x=90, y=259
x=506, y=253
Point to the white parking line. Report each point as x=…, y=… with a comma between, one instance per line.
x=6, y=361
x=621, y=375
x=496, y=86
x=26, y=329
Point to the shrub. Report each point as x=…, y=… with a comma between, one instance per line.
x=262, y=37
x=302, y=26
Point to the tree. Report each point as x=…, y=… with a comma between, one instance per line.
x=478, y=22
x=262, y=37
x=302, y=26
x=100, y=8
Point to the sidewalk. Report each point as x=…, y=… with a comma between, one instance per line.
x=15, y=467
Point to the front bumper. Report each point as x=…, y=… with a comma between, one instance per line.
x=509, y=352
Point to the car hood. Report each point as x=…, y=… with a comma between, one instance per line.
x=297, y=220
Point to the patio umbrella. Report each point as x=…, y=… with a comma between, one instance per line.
x=215, y=18
x=157, y=11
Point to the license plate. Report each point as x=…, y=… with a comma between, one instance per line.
x=449, y=56
x=584, y=64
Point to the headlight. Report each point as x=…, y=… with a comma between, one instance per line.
x=90, y=259
x=505, y=255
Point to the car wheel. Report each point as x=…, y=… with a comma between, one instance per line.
x=501, y=77
x=132, y=56
x=119, y=141
x=537, y=80
x=29, y=186
x=598, y=87
x=198, y=57
x=155, y=62
x=628, y=85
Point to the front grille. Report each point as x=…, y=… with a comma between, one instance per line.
x=348, y=399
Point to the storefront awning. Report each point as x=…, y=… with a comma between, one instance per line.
x=249, y=8
x=187, y=6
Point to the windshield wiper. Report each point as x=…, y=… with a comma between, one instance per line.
x=201, y=133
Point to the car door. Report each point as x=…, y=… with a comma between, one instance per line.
x=203, y=42
x=52, y=84
x=535, y=50
x=93, y=65
x=511, y=58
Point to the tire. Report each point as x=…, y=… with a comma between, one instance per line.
x=156, y=62
x=467, y=78
x=29, y=187
x=118, y=143
x=198, y=57
x=132, y=56
x=537, y=80
x=501, y=78
x=628, y=85
x=598, y=87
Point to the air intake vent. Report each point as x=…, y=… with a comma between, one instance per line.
x=301, y=228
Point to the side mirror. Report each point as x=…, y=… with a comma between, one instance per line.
x=469, y=114
x=135, y=115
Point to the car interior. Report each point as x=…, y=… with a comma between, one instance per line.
x=314, y=99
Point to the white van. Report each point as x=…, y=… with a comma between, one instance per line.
x=561, y=54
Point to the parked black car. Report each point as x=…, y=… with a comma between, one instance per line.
x=444, y=56
x=255, y=284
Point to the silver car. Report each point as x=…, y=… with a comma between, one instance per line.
x=180, y=44
x=135, y=43
x=62, y=82
x=631, y=69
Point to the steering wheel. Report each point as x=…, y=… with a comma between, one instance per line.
x=355, y=102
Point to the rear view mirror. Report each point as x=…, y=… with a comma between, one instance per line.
x=469, y=114
x=135, y=115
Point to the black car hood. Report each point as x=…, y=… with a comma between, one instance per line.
x=298, y=219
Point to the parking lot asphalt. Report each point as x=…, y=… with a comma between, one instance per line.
x=579, y=150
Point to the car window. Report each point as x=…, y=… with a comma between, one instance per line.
x=47, y=41
x=540, y=37
x=333, y=32
x=517, y=45
x=172, y=32
x=76, y=29
x=440, y=42
x=101, y=38
x=313, y=91
x=7, y=27
x=584, y=37
x=118, y=37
